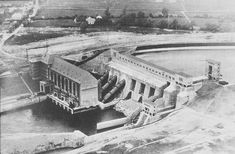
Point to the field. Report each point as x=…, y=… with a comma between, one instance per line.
x=60, y=8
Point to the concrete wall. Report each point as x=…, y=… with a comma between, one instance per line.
x=159, y=72
x=89, y=97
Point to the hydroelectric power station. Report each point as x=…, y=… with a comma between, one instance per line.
x=152, y=89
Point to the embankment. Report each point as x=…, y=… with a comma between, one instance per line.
x=38, y=143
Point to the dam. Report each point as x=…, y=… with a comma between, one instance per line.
x=152, y=88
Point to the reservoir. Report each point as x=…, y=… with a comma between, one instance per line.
x=193, y=62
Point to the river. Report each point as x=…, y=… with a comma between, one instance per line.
x=46, y=117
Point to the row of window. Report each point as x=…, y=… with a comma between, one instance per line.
x=64, y=83
x=146, y=110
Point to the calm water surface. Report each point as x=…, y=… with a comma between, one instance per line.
x=46, y=117
x=193, y=61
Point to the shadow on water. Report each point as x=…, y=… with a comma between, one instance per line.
x=46, y=117
x=85, y=122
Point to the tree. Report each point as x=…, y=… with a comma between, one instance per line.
x=163, y=24
x=107, y=17
x=211, y=27
x=140, y=21
x=151, y=15
x=107, y=13
x=83, y=26
x=174, y=24
x=165, y=12
x=141, y=14
x=124, y=11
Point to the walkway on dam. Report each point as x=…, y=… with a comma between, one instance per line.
x=134, y=72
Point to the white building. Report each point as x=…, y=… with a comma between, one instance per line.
x=90, y=20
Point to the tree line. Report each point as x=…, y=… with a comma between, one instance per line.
x=140, y=19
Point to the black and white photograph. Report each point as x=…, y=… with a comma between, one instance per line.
x=117, y=76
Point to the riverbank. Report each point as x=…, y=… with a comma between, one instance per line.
x=29, y=143
x=77, y=43
x=23, y=101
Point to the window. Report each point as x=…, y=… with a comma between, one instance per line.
x=62, y=78
x=133, y=83
x=142, y=88
x=70, y=86
x=59, y=78
x=74, y=88
x=55, y=79
x=51, y=75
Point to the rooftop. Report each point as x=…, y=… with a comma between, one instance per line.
x=151, y=64
x=72, y=72
x=184, y=74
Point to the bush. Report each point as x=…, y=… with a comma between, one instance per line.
x=162, y=24
x=132, y=19
x=211, y=28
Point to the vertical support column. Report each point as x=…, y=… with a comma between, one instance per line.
x=72, y=87
x=157, y=91
x=75, y=89
x=146, y=91
x=64, y=84
x=136, y=91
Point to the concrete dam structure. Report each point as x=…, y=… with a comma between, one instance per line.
x=127, y=78
x=158, y=89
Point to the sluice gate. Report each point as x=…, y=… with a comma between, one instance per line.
x=116, y=90
x=109, y=86
x=104, y=79
x=101, y=82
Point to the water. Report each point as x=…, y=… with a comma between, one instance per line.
x=46, y=117
x=193, y=61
